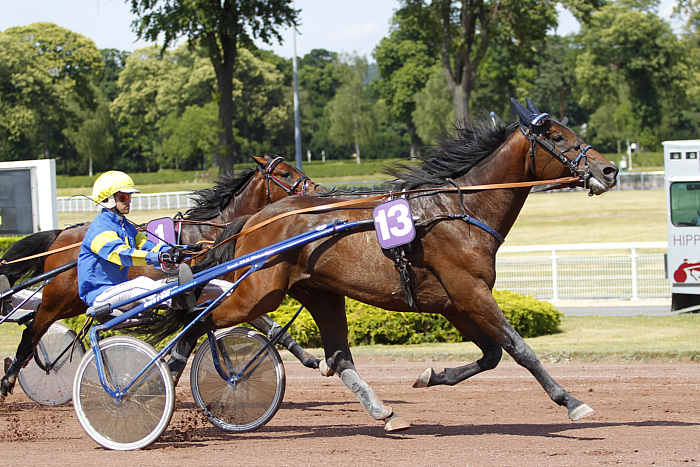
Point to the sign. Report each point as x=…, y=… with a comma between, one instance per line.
x=161, y=231
x=393, y=223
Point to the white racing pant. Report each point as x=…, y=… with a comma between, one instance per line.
x=30, y=300
x=139, y=285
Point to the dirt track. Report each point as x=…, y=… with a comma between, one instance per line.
x=647, y=414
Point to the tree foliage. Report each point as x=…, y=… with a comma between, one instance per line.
x=626, y=76
x=218, y=28
x=49, y=66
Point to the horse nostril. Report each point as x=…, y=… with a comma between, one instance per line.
x=610, y=171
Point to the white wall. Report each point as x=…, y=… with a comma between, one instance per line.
x=43, y=179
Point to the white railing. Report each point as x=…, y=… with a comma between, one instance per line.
x=180, y=199
x=624, y=273
x=175, y=200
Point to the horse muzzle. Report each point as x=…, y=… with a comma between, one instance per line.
x=602, y=178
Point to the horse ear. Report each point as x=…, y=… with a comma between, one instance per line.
x=523, y=113
x=261, y=161
x=531, y=106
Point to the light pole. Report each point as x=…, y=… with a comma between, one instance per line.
x=297, y=123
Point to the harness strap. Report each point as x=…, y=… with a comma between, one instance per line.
x=468, y=219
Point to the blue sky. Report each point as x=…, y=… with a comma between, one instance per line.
x=351, y=26
x=337, y=25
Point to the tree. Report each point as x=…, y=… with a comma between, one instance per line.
x=466, y=31
x=630, y=58
x=353, y=117
x=62, y=66
x=434, y=108
x=190, y=140
x=404, y=67
x=20, y=79
x=93, y=138
x=217, y=27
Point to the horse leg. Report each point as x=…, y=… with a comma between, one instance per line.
x=451, y=376
x=183, y=349
x=328, y=310
x=25, y=351
x=270, y=328
x=517, y=348
x=493, y=323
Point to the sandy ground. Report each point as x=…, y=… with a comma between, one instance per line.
x=646, y=414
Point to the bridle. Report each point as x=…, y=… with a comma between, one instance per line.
x=538, y=139
x=297, y=188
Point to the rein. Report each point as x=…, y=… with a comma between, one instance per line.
x=329, y=207
x=268, y=175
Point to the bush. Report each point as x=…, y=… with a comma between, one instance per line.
x=529, y=316
x=7, y=242
x=370, y=325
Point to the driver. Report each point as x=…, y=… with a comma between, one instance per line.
x=112, y=245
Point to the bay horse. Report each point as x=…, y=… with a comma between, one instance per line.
x=272, y=180
x=451, y=261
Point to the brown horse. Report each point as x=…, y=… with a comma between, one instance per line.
x=451, y=261
x=272, y=180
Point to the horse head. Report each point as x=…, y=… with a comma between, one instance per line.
x=286, y=178
x=575, y=157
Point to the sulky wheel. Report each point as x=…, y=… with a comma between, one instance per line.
x=48, y=377
x=255, y=397
x=143, y=412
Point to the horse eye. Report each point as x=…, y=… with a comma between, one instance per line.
x=557, y=138
x=286, y=174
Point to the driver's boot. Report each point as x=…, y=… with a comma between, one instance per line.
x=187, y=299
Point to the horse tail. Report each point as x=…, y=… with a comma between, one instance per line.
x=171, y=321
x=30, y=245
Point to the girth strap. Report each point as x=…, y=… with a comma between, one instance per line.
x=401, y=264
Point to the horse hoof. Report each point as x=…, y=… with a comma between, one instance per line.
x=395, y=423
x=424, y=379
x=323, y=367
x=580, y=412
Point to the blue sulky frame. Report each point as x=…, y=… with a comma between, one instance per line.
x=254, y=260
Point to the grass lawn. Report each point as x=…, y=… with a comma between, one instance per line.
x=583, y=338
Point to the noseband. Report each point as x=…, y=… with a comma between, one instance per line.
x=292, y=190
x=537, y=139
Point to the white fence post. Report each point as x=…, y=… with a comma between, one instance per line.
x=555, y=277
x=635, y=281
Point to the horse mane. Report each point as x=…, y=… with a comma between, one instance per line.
x=455, y=154
x=209, y=202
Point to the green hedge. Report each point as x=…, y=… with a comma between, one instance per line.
x=6, y=243
x=370, y=325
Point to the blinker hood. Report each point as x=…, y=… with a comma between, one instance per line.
x=531, y=118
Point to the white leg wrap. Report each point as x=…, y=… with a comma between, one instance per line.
x=364, y=393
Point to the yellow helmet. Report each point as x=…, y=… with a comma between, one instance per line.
x=110, y=183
